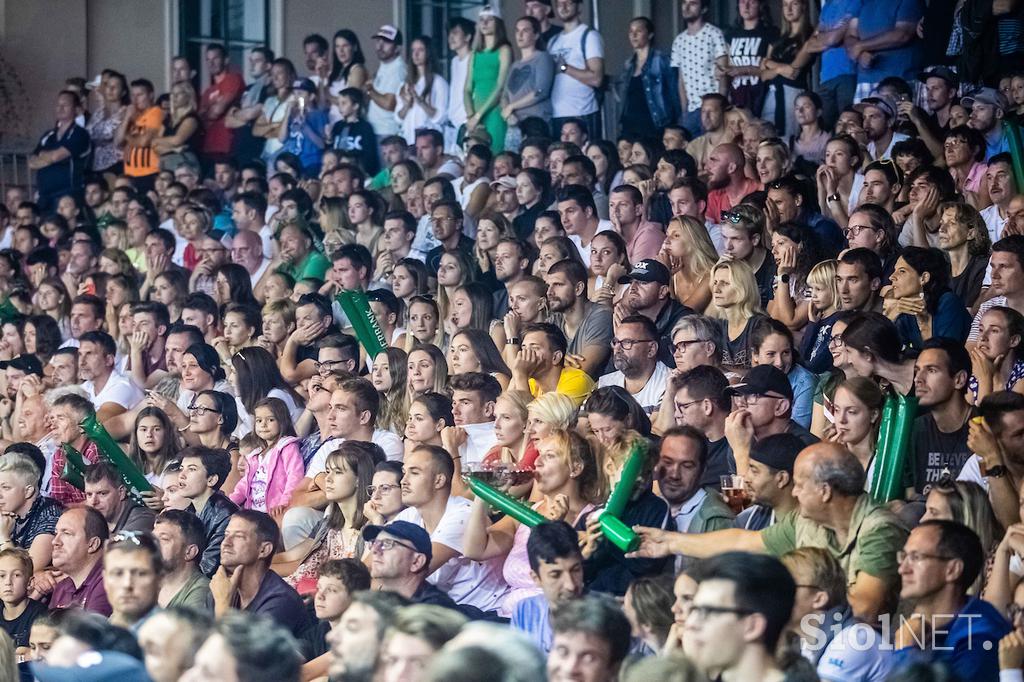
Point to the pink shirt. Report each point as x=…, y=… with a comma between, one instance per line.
x=285, y=470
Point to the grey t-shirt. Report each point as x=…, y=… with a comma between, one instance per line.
x=536, y=75
x=596, y=329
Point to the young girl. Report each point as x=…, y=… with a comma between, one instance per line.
x=346, y=479
x=273, y=470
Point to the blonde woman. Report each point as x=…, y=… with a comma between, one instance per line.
x=491, y=228
x=548, y=413
x=527, y=304
x=568, y=479
x=333, y=218
x=735, y=301
x=822, y=309
x=772, y=161
x=179, y=146
x=690, y=255
x=511, y=412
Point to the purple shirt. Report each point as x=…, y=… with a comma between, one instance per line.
x=91, y=595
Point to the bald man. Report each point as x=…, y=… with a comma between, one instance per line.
x=725, y=178
x=833, y=512
x=247, y=251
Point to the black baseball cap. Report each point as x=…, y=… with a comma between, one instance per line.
x=403, y=530
x=647, y=270
x=944, y=72
x=778, y=451
x=27, y=363
x=763, y=380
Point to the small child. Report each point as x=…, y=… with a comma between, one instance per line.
x=19, y=611
x=339, y=580
x=353, y=135
x=273, y=470
x=303, y=136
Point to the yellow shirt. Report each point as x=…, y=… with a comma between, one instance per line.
x=573, y=382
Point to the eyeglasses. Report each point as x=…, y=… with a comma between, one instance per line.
x=201, y=410
x=680, y=346
x=752, y=400
x=386, y=544
x=853, y=231
x=683, y=406
x=836, y=342
x=732, y=217
x=702, y=612
x=918, y=557
x=327, y=366
x=627, y=344
x=1013, y=611
x=383, y=489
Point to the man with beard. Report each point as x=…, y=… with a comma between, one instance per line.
x=769, y=481
x=882, y=184
x=727, y=181
x=701, y=402
x=701, y=55
x=587, y=325
x=503, y=190
x=879, y=118
x=682, y=460
x=589, y=642
x=169, y=640
x=649, y=295
x=712, y=121
x=556, y=565
x=635, y=357
x=511, y=265
x=988, y=106
x=356, y=642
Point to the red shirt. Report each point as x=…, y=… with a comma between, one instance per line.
x=719, y=200
x=60, y=489
x=218, y=138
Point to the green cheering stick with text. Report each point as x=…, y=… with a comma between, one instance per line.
x=134, y=480
x=364, y=324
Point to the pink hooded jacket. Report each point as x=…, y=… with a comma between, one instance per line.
x=285, y=469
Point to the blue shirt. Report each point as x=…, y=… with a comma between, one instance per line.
x=996, y=142
x=879, y=16
x=803, y=383
x=951, y=320
x=300, y=143
x=834, y=61
x=532, y=616
x=971, y=644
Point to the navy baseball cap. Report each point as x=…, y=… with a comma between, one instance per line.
x=763, y=380
x=94, y=666
x=648, y=270
x=27, y=363
x=415, y=535
x=778, y=451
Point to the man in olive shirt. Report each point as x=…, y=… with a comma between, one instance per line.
x=834, y=513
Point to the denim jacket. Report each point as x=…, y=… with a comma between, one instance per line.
x=660, y=86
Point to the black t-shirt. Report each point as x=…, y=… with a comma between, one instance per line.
x=967, y=285
x=720, y=463
x=547, y=36
x=19, y=628
x=747, y=47
x=359, y=139
x=765, y=278
x=935, y=451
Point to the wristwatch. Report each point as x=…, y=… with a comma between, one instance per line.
x=514, y=340
x=998, y=471
x=563, y=67
x=784, y=279
x=832, y=197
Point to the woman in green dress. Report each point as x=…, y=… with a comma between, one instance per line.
x=485, y=80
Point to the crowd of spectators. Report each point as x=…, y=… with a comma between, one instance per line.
x=794, y=226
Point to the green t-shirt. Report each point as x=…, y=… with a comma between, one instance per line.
x=314, y=265
x=876, y=534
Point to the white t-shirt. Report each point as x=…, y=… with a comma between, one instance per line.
x=570, y=97
x=119, y=389
x=388, y=80
x=479, y=439
x=851, y=656
x=417, y=116
x=456, y=100
x=388, y=442
x=602, y=226
x=476, y=583
x=651, y=394
x=887, y=152
x=994, y=222
x=695, y=55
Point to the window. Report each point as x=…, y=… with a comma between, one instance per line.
x=237, y=24
x=431, y=17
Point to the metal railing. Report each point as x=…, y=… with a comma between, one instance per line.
x=14, y=171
